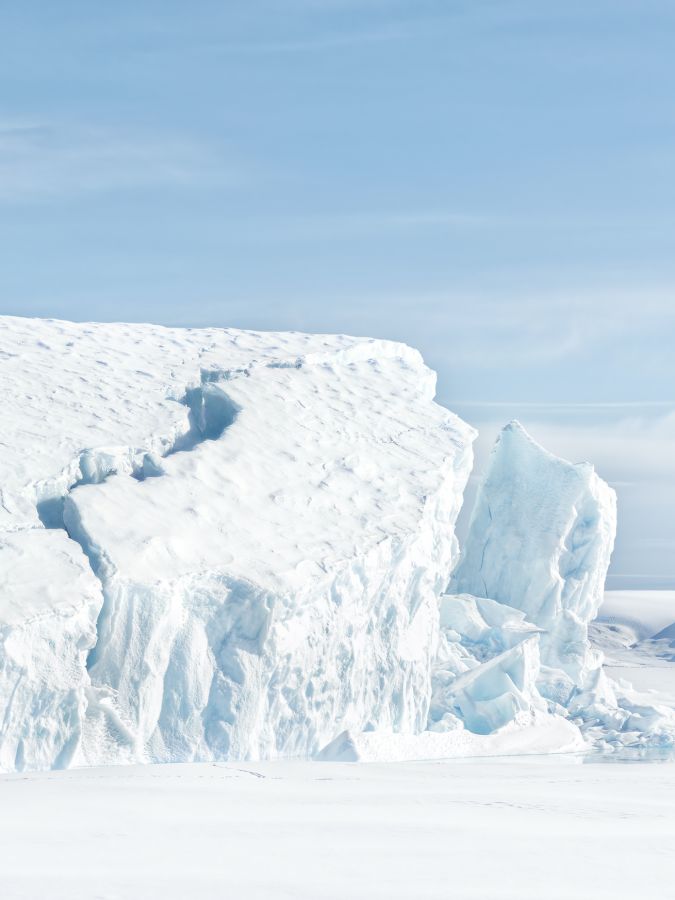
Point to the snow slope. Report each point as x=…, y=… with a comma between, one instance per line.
x=514, y=829
x=271, y=518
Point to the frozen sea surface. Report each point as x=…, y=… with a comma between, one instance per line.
x=545, y=827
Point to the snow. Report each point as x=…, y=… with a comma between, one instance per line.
x=518, y=829
x=645, y=613
x=527, y=732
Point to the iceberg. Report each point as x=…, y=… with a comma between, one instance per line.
x=269, y=519
x=540, y=540
x=539, y=544
x=225, y=545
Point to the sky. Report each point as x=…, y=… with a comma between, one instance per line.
x=492, y=182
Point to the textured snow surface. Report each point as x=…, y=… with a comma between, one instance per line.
x=546, y=828
x=271, y=518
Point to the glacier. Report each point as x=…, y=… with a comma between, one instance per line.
x=224, y=545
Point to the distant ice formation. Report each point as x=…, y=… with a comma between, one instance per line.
x=218, y=544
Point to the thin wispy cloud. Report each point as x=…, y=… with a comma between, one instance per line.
x=359, y=224
x=320, y=41
x=39, y=161
x=572, y=406
x=519, y=330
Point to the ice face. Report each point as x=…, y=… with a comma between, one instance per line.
x=487, y=666
x=49, y=603
x=540, y=540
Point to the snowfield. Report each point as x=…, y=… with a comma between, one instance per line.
x=513, y=829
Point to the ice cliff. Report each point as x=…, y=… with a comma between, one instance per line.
x=540, y=540
x=219, y=544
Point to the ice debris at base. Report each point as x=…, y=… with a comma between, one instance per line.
x=527, y=734
x=219, y=544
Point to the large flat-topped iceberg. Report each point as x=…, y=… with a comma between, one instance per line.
x=271, y=518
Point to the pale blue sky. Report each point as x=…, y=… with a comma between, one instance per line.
x=490, y=181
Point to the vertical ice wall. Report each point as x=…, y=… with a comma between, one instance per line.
x=49, y=603
x=540, y=540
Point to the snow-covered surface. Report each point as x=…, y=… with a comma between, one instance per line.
x=514, y=829
x=645, y=613
x=526, y=732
